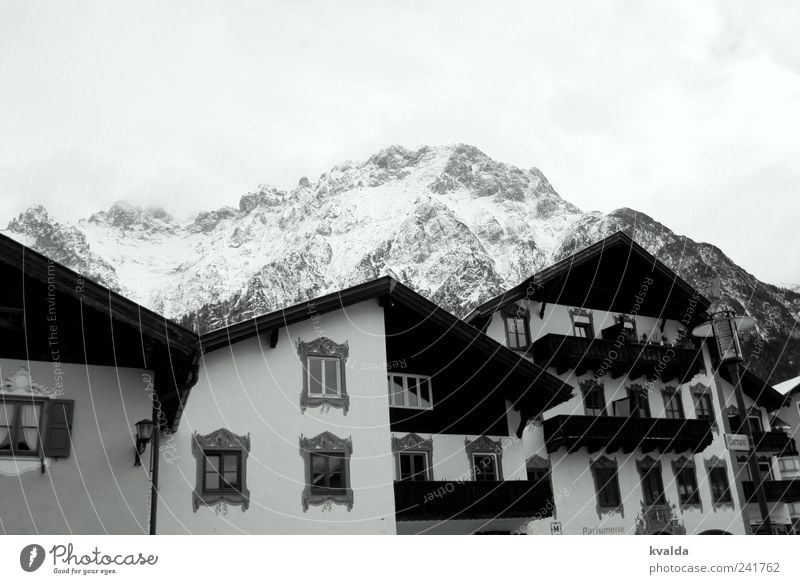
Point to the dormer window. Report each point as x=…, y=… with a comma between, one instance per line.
x=518, y=332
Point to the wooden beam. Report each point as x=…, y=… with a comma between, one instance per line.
x=273, y=338
x=541, y=310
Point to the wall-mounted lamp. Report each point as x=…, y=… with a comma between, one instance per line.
x=144, y=432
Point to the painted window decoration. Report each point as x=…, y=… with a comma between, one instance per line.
x=517, y=326
x=485, y=458
x=686, y=481
x=652, y=482
x=410, y=391
x=221, y=459
x=413, y=456
x=606, y=485
x=718, y=483
x=639, y=401
x=324, y=378
x=326, y=458
x=703, y=408
x=673, y=404
x=594, y=398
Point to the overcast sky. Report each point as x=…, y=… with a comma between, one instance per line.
x=688, y=111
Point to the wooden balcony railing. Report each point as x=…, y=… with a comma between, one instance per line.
x=612, y=433
x=667, y=362
x=775, y=442
x=776, y=491
x=437, y=500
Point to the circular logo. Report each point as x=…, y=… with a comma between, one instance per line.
x=31, y=557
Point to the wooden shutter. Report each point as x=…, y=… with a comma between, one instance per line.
x=57, y=437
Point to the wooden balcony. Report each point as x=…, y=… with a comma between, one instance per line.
x=667, y=362
x=612, y=433
x=438, y=500
x=775, y=442
x=776, y=491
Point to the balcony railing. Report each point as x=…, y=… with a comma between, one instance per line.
x=775, y=442
x=635, y=359
x=436, y=500
x=776, y=491
x=611, y=433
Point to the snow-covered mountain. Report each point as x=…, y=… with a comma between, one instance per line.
x=449, y=221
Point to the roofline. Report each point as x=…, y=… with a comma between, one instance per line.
x=384, y=286
x=517, y=292
x=756, y=388
x=96, y=295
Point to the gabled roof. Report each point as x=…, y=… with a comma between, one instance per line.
x=607, y=275
x=387, y=289
x=103, y=327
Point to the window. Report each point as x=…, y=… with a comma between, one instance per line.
x=764, y=468
x=414, y=455
x=410, y=391
x=538, y=472
x=720, y=491
x=518, y=335
x=485, y=458
x=606, y=484
x=484, y=466
x=413, y=466
x=794, y=509
x=640, y=405
x=594, y=398
x=686, y=479
x=221, y=469
x=582, y=323
x=327, y=472
x=327, y=463
x=324, y=379
x=20, y=426
x=324, y=376
x=652, y=483
x=628, y=326
x=755, y=423
x=673, y=405
x=702, y=406
x=789, y=465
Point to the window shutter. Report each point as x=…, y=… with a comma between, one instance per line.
x=57, y=438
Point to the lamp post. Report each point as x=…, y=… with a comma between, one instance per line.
x=725, y=327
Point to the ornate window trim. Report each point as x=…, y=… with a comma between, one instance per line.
x=323, y=347
x=603, y=462
x=413, y=443
x=587, y=385
x=668, y=392
x=645, y=466
x=699, y=389
x=326, y=442
x=636, y=390
x=484, y=445
x=717, y=462
x=623, y=318
x=225, y=441
x=575, y=312
x=677, y=466
x=516, y=311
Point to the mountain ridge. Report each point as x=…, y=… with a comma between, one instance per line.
x=454, y=224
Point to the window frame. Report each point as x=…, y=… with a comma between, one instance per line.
x=326, y=444
x=221, y=441
x=639, y=397
x=699, y=394
x=673, y=395
x=221, y=472
x=327, y=456
x=717, y=466
x=684, y=468
x=516, y=312
x=591, y=387
x=604, y=465
x=16, y=428
x=324, y=376
x=484, y=446
x=413, y=444
x=325, y=348
x=581, y=313
x=650, y=476
x=406, y=393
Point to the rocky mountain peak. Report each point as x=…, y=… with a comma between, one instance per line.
x=124, y=216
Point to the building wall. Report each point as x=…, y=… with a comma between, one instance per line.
x=250, y=388
x=97, y=489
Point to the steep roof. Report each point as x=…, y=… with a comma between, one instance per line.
x=608, y=275
x=758, y=390
x=788, y=387
x=550, y=389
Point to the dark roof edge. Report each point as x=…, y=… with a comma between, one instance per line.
x=580, y=256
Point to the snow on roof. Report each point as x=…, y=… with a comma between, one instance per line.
x=785, y=387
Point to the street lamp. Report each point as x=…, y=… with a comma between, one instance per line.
x=144, y=432
x=725, y=327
